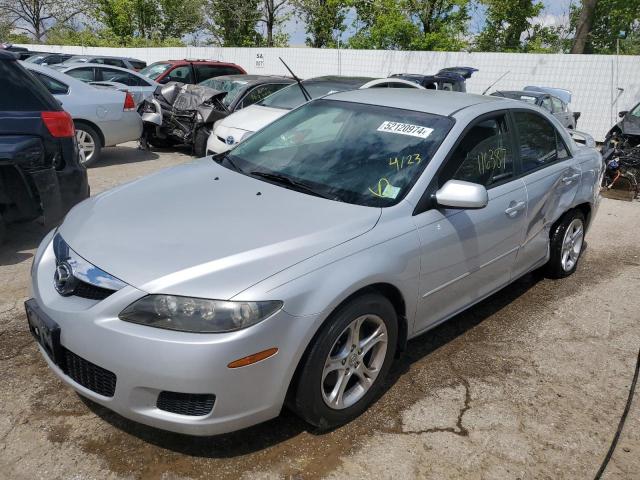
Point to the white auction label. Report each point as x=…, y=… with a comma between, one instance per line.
x=405, y=129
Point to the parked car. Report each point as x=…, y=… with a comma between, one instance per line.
x=20, y=53
x=296, y=265
x=238, y=126
x=48, y=58
x=451, y=79
x=549, y=99
x=139, y=85
x=166, y=125
x=627, y=129
x=40, y=172
x=122, y=62
x=189, y=71
x=103, y=117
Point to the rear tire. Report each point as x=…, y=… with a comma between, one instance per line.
x=566, y=245
x=348, y=361
x=89, y=144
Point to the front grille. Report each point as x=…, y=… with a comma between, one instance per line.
x=89, y=375
x=193, y=404
x=92, y=292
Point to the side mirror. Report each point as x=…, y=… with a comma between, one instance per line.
x=461, y=194
x=164, y=80
x=623, y=113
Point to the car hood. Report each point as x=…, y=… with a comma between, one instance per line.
x=203, y=230
x=253, y=118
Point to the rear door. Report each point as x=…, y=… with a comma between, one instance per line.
x=552, y=179
x=467, y=254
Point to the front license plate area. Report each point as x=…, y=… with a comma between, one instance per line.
x=44, y=330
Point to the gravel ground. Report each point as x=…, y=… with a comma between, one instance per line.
x=528, y=384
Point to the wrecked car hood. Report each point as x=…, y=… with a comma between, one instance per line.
x=185, y=96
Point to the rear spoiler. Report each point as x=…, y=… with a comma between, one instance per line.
x=582, y=138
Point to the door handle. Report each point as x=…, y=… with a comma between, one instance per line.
x=513, y=210
x=569, y=179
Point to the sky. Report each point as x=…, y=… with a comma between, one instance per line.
x=555, y=12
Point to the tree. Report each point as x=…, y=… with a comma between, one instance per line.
x=613, y=21
x=323, y=19
x=583, y=26
x=443, y=23
x=506, y=23
x=273, y=15
x=233, y=24
x=35, y=17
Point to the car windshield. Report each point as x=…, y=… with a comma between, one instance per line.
x=35, y=59
x=291, y=97
x=356, y=153
x=155, y=70
x=232, y=87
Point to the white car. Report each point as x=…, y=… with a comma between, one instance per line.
x=238, y=126
x=103, y=117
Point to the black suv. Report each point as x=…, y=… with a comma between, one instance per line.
x=40, y=171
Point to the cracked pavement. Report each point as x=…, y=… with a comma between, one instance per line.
x=528, y=384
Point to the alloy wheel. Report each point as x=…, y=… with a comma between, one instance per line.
x=572, y=244
x=86, y=145
x=354, y=362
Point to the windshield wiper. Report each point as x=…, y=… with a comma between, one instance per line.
x=285, y=180
x=220, y=157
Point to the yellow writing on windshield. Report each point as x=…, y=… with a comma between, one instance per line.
x=401, y=162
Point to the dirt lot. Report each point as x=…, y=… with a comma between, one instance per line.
x=529, y=384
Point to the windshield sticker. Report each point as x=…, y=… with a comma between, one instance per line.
x=405, y=161
x=384, y=189
x=405, y=129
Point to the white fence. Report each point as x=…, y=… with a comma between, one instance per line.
x=595, y=80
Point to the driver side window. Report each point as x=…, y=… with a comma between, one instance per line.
x=484, y=156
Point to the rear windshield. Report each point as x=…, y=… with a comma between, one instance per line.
x=291, y=97
x=155, y=70
x=21, y=92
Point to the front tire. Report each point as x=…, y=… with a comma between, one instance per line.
x=348, y=361
x=89, y=144
x=200, y=142
x=567, y=241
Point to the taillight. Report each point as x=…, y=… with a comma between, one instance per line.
x=59, y=124
x=129, y=102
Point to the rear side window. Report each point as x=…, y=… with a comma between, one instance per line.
x=85, y=74
x=21, y=92
x=115, y=62
x=484, y=155
x=540, y=142
x=181, y=74
x=546, y=104
x=54, y=86
x=260, y=93
x=112, y=75
x=205, y=72
x=557, y=105
x=137, y=64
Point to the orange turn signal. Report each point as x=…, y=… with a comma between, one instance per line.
x=251, y=359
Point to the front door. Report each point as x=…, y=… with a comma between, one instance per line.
x=468, y=254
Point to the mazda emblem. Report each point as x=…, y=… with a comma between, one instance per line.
x=63, y=279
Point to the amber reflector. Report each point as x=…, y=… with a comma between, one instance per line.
x=250, y=359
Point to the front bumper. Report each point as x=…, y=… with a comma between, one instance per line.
x=147, y=361
x=215, y=145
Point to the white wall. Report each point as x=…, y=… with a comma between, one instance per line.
x=593, y=79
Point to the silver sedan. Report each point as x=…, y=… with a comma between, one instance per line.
x=298, y=264
x=103, y=116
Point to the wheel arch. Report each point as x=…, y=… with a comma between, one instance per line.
x=89, y=123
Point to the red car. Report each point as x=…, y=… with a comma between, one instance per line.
x=189, y=71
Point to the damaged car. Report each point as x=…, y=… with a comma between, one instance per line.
x=621, y=153
x=185, y=114
x=451, y=79
x=40, y=171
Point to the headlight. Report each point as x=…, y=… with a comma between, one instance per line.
x=197, y=315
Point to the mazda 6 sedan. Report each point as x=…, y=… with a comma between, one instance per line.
x=295, y=267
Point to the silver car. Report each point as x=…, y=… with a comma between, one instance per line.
x=299, y=264
x=139, y=86
x=102, y=116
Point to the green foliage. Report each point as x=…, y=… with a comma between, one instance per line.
x=324, y=20
x=410, y=24
x=233, y=24
x=506, y=22
x=61, y=35
x=7, y=35
x=611, y=17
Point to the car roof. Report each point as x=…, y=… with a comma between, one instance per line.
x=70, y=66
x=105, y=56
x=7, y=55
x=438, y=102
x=526, y=93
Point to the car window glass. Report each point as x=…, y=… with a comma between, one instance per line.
x=54, y=86
x=110, y=75
x=138, y=64
x=154, y=70
x=538, y=141
x=557, y=105
x=22, y=92
x=204, y=72
x=546, y=104
x=636, y=111
x=181, y=74
x=85, y=74
x=484, y=155
x=259, y=93
x=357, y=153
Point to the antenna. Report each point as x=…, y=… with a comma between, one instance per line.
x=302, y=89
x=499, y=78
